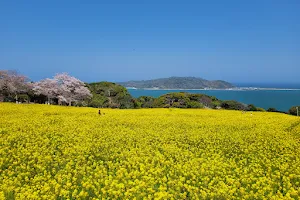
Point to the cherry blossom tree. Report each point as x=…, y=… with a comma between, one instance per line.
x=47, y=87
x=71, y=89
x=65, y=88
x=13, y=84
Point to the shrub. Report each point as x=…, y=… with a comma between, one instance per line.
x=146, y=101
x=251, y=107
x=260, y=109
x=293, y=110
x=233, y=105
x=23, y=98
x=194, y=104
x=272, y=110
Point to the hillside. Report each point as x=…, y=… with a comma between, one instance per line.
x=178, y=83
x=59, y=152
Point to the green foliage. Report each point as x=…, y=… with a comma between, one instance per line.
x=233, y=105
x=160, y=103
x=216, y=104
x=176, y=100
x=293, y=110
x=177, y=105
x=194, y=104
x=146, y=101
x=98, y=101
x=251, y=107
x=126, y=101
x=272, y=110
x=23, y=98
x=184, y=100
x=137, y=104
x=195, y=97
x=260, y=109
x=275, y=110
x=107, y=94
x=8, y=99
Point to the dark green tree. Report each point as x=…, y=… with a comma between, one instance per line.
x=293, y=110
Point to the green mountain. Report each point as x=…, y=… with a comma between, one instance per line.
x=178, y=83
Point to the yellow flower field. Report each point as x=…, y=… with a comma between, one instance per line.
x=53, y=152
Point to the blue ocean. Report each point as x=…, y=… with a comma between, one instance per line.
x=280, y=99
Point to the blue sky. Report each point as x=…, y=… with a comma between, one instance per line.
x=238, y=41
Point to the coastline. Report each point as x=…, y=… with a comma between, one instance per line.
x=228, y=89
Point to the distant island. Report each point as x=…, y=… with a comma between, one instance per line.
x=177, y=83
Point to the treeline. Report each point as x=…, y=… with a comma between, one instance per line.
x=64, y=89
